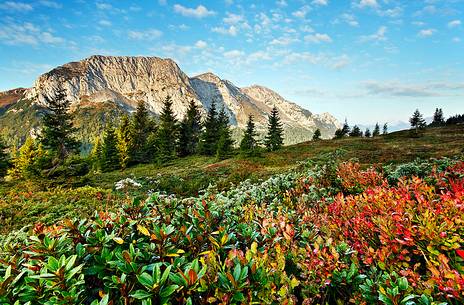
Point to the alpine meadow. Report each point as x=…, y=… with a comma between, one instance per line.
x=234, y=152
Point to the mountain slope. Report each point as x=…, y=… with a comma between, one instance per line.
x=119, y=83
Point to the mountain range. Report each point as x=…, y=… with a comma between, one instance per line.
x=101, y=88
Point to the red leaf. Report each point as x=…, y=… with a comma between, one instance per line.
x=460, y=253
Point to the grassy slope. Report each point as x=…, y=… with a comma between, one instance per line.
x=27, y=203
x=396, y=147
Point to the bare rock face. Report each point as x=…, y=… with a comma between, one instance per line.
x=127, y=80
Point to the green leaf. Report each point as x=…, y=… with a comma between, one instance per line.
x=167, y=291
x=146, y=280
x=165, y=274
x=237, y=272
x=141, y=294
x=403, y=283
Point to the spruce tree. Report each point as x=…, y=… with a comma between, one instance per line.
x=417, y=121
x=167, y=132
x=438, y=118
x=210, y=136
x=376, y=131
x=96, y=154
x=190, y=131
x=385, y=129
x=4, y=159
x=317, y=135
x=355, y=131
x=58, y=129
x=141, y=127
x=124, y=141
x=249, y=144
x=110, y=159
x=274, y=138
x=345, y=129
x=338, y=134
x=367, y=133
x=225, y=142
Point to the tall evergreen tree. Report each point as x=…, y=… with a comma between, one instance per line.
x=58, y=129
x=167, y=132
x=190, y=131
x=274, y=138
x=249, y=144
x=438, y=118
x=345, y=128
x=4, y=159
x=124, y=141
x=317, y=135
x=367, y=133
x=141, y=128
x=210, y=136
x=385, y=129
x=376, y=131
x=355, y=131
x=417, y=121
x=225, y=142
x=96, y=154
x=110, y=159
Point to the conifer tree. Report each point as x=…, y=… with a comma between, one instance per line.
x=167, y=132
x=355, y=131
x=96, y=154
x=345, y=129
x=190, y=131
x=24, y=162
x=141, y=127
x=210, y=136
x=438, y=118
x=376, y=131
x=417, y=121
x=4, y=160
x=58, y=129
x=249, y=144
x=110, y=159
x=274, y=138
x=367, y=133
x=124, y=141
x=225, y=142
x=385, y=129
x=317, y=135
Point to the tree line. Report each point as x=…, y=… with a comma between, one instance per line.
x=137, y=139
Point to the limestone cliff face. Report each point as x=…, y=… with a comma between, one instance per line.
x=127, y=80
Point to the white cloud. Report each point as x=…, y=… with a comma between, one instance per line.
x=103, y=6
x=104, y=22
x=302, y=12
x=454, y=23
x=401, y=89
x=234, y=54
x=377, y=36
x=198, y=12
x=16, y=6
x=318, y=38
x=149, y=34
x=200, y=44
x=233, y=19
x=27, y=34
x=283, y=41
x=162, y=2
x=349, y=19
x=340, y=62
x=51, y=4
x=281, y=3
x=320, y=2
x=426, y=32
x=232, y=30
x=368, y=3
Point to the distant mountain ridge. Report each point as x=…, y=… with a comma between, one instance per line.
x=117, y=83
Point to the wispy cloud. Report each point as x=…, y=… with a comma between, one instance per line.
x=380, y=35
x=454, y=23
x=426, y=33
x=318, y=38
x=149, y=34
x=198, y=12
x=27, y=34
x=16, y=6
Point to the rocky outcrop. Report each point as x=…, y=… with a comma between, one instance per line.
x=127, y=80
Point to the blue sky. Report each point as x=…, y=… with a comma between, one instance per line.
x=366, y=60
